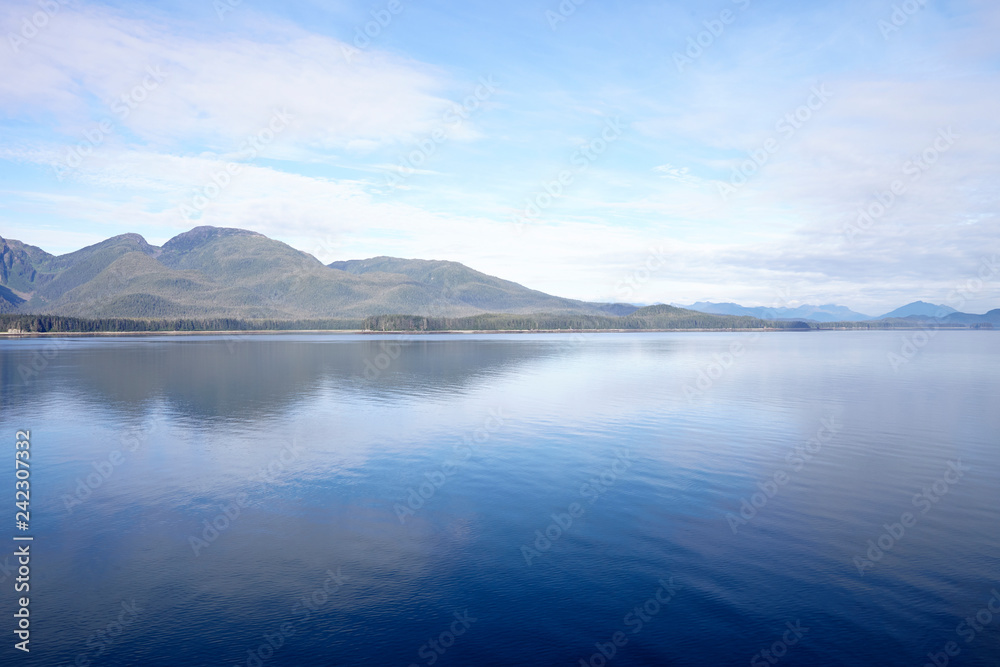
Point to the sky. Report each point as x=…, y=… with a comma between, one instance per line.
x=767, y=153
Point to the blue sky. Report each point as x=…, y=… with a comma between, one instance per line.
x=640, y=151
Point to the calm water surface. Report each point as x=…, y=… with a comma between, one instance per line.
x=507, y=500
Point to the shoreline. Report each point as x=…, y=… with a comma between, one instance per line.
x=354, y=332
x=368, y=332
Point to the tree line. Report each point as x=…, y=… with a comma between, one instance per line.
x=484, y=322
x=62, y=324
x=546, y=322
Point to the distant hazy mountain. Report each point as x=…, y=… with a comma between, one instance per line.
x=827, y=313
x=933, y=316
x=918, y=311
x=920, y=308
x=216, y=272
x=992, y=317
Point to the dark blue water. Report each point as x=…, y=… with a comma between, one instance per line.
x=640, y=499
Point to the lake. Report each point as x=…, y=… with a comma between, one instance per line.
x=817, y=498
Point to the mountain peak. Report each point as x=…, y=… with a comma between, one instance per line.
x=922, y=308
x=129, y=236
x=203, y=234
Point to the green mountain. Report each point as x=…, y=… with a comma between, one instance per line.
x=218, y=272
x=17, y=264
x=480, y=291
x=9, y=301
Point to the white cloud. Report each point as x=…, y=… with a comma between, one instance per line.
x=214, y=89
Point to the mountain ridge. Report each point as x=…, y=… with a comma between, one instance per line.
x=229, y=272
x=224, y=272
x=918, y=311
x=825, y=313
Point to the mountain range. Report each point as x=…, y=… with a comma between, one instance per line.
x=827, y=313
x=220, y=272
x=917, y=311
x=213, y=272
